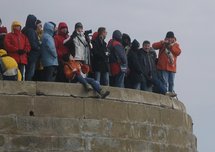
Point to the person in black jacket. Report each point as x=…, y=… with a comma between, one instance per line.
x=135, y=75
x=147, y=59
x=30, y=31
x=101, y=57
x=3, y=32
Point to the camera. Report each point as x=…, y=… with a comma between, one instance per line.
x=87, y=32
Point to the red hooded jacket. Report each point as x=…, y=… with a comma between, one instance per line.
x=15, y=41
x=59, y=38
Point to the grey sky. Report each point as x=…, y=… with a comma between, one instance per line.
x=191, y=20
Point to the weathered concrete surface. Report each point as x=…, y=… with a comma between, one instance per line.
x=67, y=119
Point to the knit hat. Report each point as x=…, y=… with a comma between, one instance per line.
x=78, y=25
x=15, y=23
x=117, y=35
x=170, y=34
x=3, y=30
x=135, y=44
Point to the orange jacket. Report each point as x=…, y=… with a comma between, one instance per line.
x=72, y=67
x=163, y=60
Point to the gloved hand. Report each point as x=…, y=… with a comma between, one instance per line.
x=20, y=52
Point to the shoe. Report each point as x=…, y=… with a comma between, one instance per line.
x=104, y=94
x=171, y=94
x=88, y=87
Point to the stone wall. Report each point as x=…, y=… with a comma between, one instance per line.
x=57, y=117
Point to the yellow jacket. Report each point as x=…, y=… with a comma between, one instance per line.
x=10, y=63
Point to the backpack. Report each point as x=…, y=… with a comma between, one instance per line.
x=7, y=74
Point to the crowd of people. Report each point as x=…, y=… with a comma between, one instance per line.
x=48, y=53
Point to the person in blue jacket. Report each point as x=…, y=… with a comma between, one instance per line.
x=118, y=60
x=30, y=31
x=48, y=53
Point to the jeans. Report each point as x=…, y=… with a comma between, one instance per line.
x=96, y=86
x=50, y=73
x=22, y=70
x=147, y=84
x=31, y=66
x=118, y=80
x=167, y=79
x=102, y=77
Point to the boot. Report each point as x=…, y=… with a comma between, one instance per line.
x=88, y=87
x=104, y=94
x=171, y=94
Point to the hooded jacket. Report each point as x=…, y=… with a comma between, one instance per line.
x=59, y=39
x=9, y=63
x=15, y=41
x=117, y=51
x=135, y=71
x=163, y=60
x=30, y=31
x=48, y=49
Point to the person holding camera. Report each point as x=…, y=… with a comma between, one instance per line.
x=101, y=57
x=18, y=46
x=78, y=45
x=169, y=50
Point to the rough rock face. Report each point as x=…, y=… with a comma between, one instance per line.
x=58, y=117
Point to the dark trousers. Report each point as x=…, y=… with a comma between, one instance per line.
x=50, y=73
x=147, y=83
x=22, y=70
x=60, y=73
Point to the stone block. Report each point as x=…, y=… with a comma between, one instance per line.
x=105, y=109
x=144, y=113
x=17, y=88
x=107, y=145
x=2, y=140
x=30, y=143
x=174, y=118
x=159, y=134
x=53, y=106
x=8, y=124
x=138, y=146
x=19, y=105
x=68, y=143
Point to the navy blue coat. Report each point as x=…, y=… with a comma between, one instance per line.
x=30, y=31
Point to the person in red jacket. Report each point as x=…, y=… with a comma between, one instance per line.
x=169, y=50
x=62, y=51
x=17, y=46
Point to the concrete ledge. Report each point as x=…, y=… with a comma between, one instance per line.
x=77, y=91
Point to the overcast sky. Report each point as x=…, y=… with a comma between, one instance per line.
x=191, y=20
